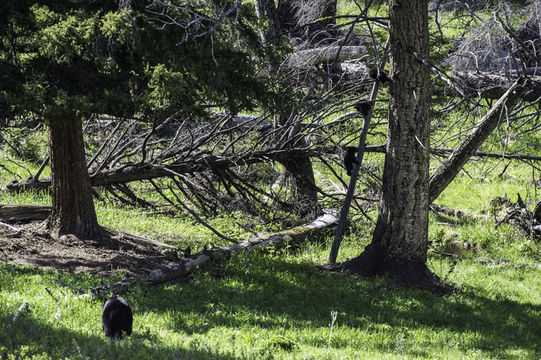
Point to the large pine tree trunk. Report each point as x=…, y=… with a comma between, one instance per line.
x=72, y=206
x=287, y=17
x=300, y=167
x=400, y=240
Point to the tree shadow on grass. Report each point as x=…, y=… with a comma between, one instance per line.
x=29, y=338
x=260, y=292
x=278, y=294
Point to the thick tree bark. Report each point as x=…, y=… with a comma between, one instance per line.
x=72, y=206
x=267, y=9
x=301, y=170
x=300, y=167
x=287, y=17
x=400, y=240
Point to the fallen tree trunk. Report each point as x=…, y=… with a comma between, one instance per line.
x=185, y=266
x=473, y=84
x=324, y=55
x=14, y=213
x=450, y=168
x=494, y=86
x=140, y=172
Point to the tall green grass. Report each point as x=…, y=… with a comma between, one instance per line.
x=280, y=307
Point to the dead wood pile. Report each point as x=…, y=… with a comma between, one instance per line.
x=519, y=214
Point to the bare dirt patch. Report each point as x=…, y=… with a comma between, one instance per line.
x=31, y=245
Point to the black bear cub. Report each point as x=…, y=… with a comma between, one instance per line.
x=116, y=317
x=380, y=75
x=350, y=159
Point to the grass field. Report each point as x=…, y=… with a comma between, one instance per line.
x=277, y=305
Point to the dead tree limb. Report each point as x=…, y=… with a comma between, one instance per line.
x=325, y=55
x=517, y=213
x=491, y=155
x=140, y=172
x=42, y=167
x=440, y=209
x=450, y=168
x=12, y=213
x=11, y=227
x=495, y=86
x=339, y=234
x=144, y=241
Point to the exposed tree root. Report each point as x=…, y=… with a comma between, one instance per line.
x=401, y=272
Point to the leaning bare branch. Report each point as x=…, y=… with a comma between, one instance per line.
x=11, y=227
x=21, y=309
x=447, y=172
x=63, y=283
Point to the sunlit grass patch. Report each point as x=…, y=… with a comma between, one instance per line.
x=281, y=307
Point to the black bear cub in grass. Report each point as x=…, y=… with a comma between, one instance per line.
x=116, y=317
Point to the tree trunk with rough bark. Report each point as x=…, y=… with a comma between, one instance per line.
x=400, y=240
x=287, y=17
x=300, y=168
x=72, y=206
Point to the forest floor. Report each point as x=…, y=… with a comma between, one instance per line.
x=31, y=245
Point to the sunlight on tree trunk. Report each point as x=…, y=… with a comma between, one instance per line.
x=72, y=208
x=400, y=240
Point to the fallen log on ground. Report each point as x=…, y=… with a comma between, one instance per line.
x=186, y=266
x=518, y=213
x=441, y=209
x=26, y=213
x=494, y=86
x=14, y=213
x=145, y=171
